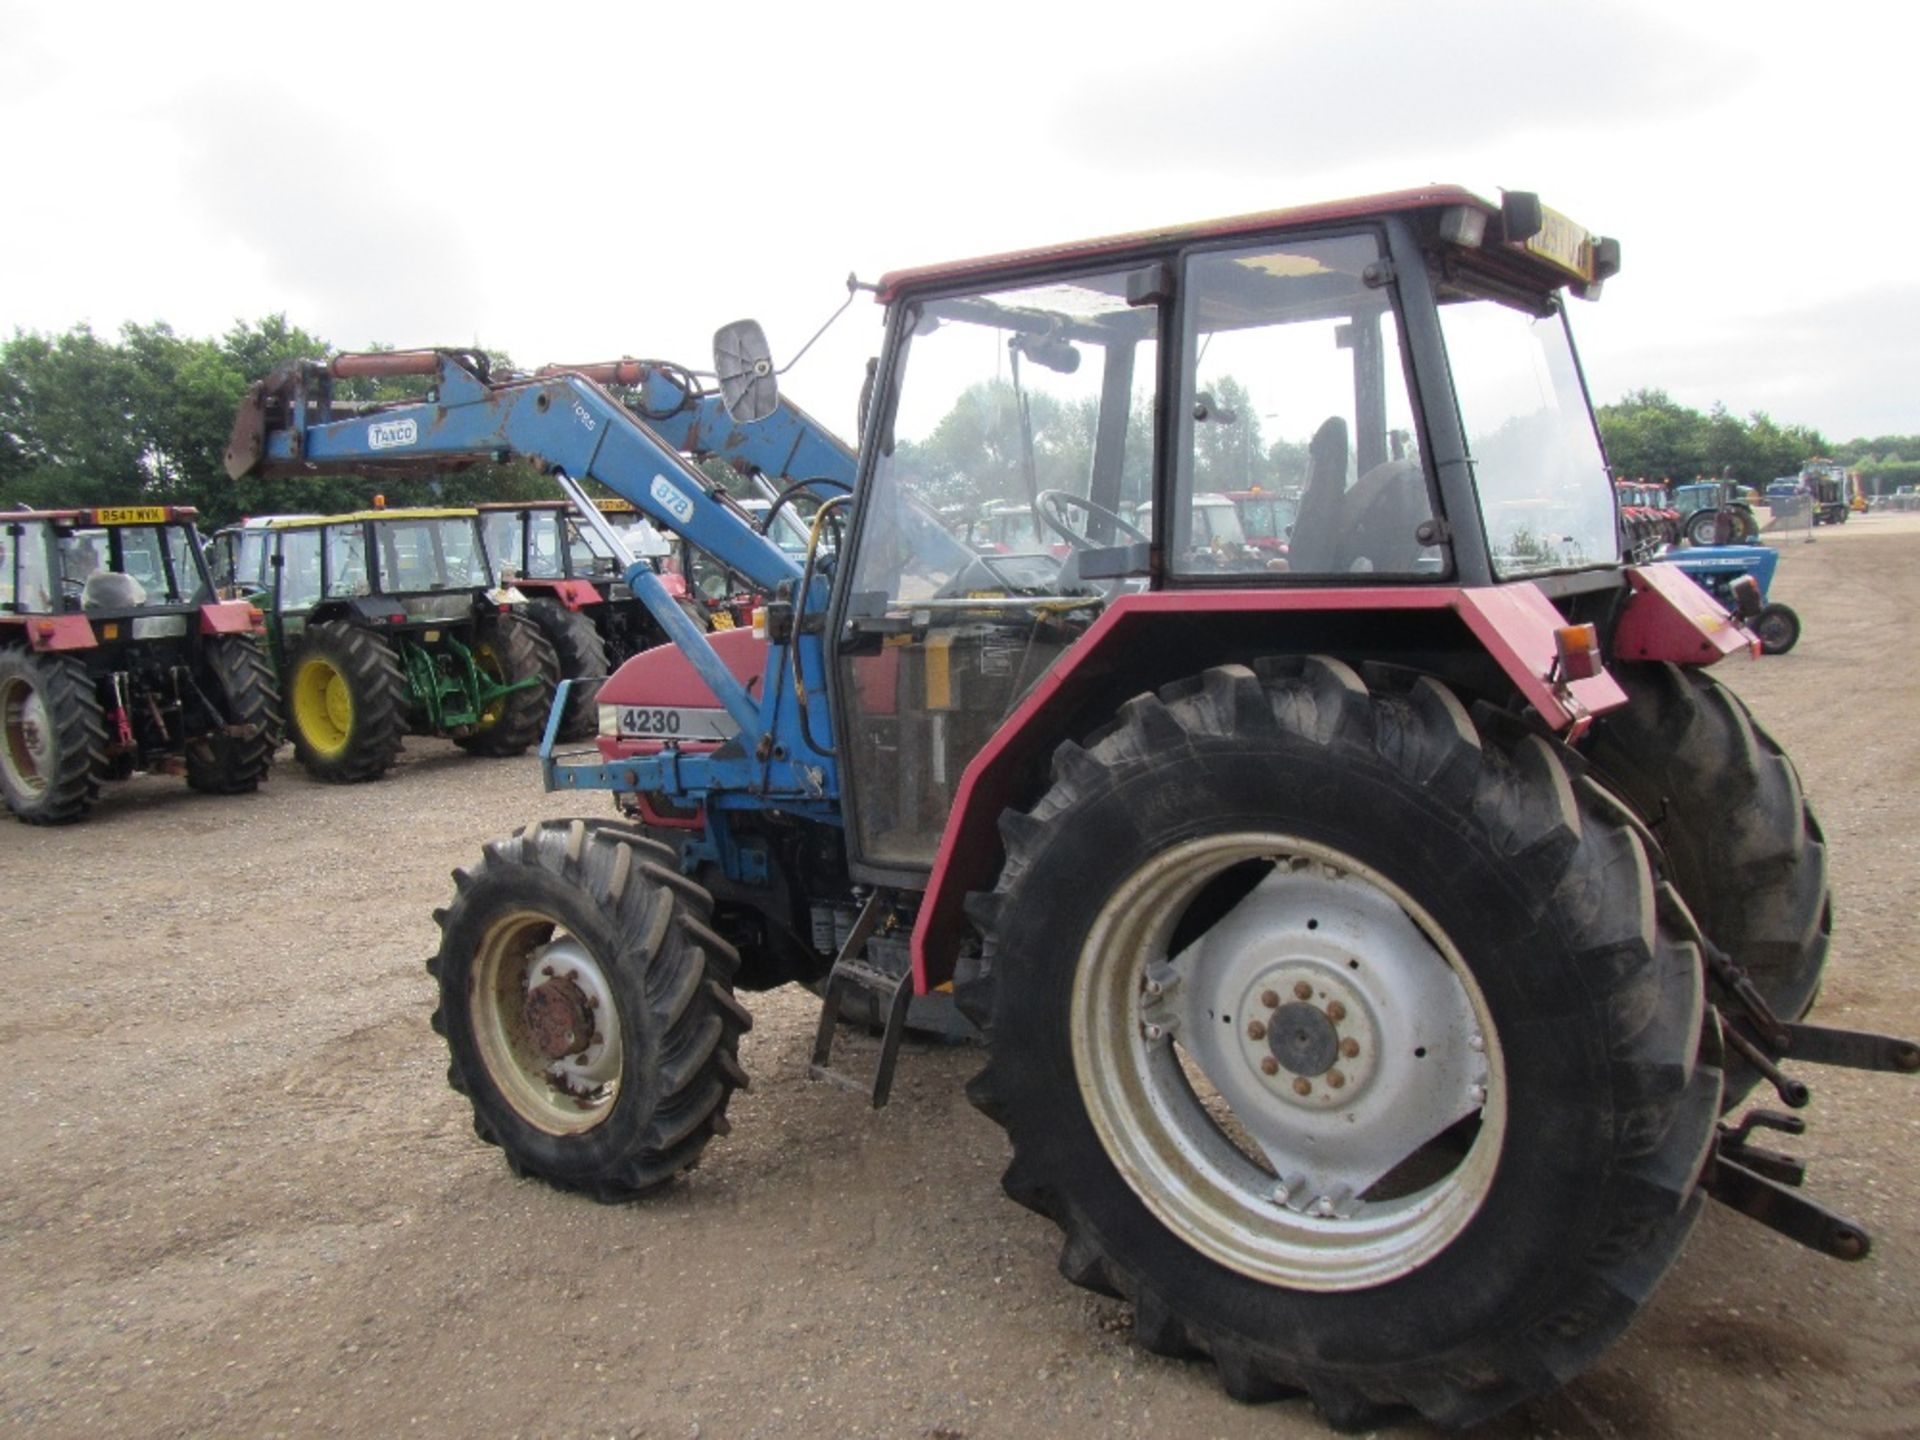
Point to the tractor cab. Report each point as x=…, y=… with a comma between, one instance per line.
x=116, y=658
x=545, y=540
x=129, y=561
x=1401, y=365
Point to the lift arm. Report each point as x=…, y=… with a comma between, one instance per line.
x=567, y=421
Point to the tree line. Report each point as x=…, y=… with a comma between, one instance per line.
x=86, y=420
x=144, y=418
x=1651, y=436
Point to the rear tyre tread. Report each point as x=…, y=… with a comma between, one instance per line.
x=581, y=655
x=79, y=738
x=523, y=652
x=236, y=764
x=1738, y=838
x=1531, y=811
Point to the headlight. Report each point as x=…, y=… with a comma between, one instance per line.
x=609, y=720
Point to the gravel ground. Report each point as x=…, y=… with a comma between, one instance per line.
x=236, y=1196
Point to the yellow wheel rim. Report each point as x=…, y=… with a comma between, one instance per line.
x=322, y=705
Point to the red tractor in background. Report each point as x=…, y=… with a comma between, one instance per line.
x=115, y=658
x=577, y=592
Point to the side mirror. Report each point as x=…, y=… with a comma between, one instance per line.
x=743, y=361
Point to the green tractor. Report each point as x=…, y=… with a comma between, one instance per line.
x=577, y=593
x=115, y=658
x=385, y=623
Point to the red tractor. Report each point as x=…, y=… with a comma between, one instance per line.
x=1367, y=949
x=115, y=657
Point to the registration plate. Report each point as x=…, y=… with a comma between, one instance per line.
x=674, y=722
x=131, y=515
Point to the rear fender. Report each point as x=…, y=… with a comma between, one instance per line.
x=574, y=594
x=1512, y=625
x=59, y=632
x=232, y=617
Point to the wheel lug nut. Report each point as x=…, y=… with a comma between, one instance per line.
x=1349, y=1047
x=1301, y=1086
x=1269, y=999
x=1269, y=1065
x=1336, y=1012
x=1476, y=1042
x=1336, y=1079
x=1477, y=1094
x=1256, y=1030
x=1154, y=1032
x=1302, y=991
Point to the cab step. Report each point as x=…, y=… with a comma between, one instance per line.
x=885, y=974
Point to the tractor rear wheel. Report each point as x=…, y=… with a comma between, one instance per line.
x=582, y=657
x=53, y=737
x=1741, y=842
x=1339, y=1036
x=346, y=703
x=510, y=648
x=223, y=763
x=1701, y=527
x=588, y=1007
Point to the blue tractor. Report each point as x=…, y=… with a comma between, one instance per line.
x=1719, y=569
x=1367, y=940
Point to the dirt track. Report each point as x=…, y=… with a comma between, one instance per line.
x=236, y=1196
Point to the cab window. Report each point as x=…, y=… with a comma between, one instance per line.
x=299, y=569
x=1296, y=382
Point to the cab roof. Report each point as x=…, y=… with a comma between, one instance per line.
x=1431, y=197
x=309, y=522
x=109, y=515
x=612, y=505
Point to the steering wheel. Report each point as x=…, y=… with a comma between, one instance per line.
x=794, y=491
x=1052, y=506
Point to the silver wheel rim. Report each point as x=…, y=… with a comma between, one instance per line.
x=527, y=977
x=1344, y=1139
x=26, y=738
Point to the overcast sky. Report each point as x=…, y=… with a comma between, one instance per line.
x=575, y=182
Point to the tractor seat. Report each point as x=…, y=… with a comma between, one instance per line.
x=112, y=590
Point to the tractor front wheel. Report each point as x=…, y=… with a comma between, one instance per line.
x=510, y=649
x=1778, y=627
x=53, y=737
x=588, y=1007
x=582, y=657
x=1338, y=1034
x=346, y=703
x=233, y=761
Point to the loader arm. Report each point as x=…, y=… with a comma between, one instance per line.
x=567, y=421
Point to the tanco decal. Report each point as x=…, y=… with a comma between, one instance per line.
x=388, y=434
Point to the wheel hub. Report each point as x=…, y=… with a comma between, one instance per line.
x=1310, y=1037
x=559, y=1018
x=570, y=1018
